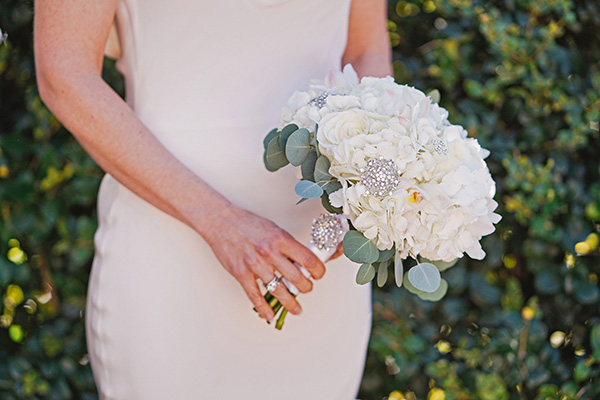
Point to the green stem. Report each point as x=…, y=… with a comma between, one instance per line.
x=279, y=323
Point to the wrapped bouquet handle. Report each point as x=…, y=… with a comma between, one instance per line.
x=327, y=232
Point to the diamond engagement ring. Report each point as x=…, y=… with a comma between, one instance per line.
x=272, y=284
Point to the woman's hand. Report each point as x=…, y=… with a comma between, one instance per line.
x=251, y=248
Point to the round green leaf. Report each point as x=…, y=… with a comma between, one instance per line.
x=382, y=273
x=332, y=186
x=385, y=255
x=425, y=277
x=437, y=295
x=359, y=249
x=267, y=165
x=365, y=274
x=322, y=169
x=308, y=166
x=274, y=132
x=428, y=296
x=327, y=205
x=298, y=147
x=308, y=189
x=274, y=156
x=285, y=134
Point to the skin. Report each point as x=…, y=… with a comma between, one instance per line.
x=69, y=40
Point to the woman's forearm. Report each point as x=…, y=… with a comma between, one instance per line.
x=372, y=64
x=368, y=48
x=120, y=143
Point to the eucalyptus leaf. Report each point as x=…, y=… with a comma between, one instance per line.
x=365, y=274
x=382, y=273
x=308, y=166
x=322, y=169
x=385, y=255
x=267, y=165
x=359, y=249
x=285, y=134
x=437, y=295
x=398, y=270
x=323, y=177
x=425, y=277
x=327, y=205
x=298, y=146
x=274, y=132
x=441, y=265
x=331, y=186
x=308, y=189
x=274, y=156
x=428, y=296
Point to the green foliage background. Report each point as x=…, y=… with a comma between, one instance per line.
x=522, y=75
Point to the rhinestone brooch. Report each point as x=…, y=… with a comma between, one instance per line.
x=439, y=145
x=326, y=232
x=320, y=100
x=380, y=177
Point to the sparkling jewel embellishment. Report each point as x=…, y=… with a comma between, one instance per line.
x=326, y=232
x=439, y=145
x=320, y=100
x=380, y=177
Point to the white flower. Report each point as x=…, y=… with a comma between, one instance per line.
x=335, y=127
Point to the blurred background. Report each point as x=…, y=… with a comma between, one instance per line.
x=523, y=76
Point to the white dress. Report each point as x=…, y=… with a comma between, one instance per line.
x=164, y=319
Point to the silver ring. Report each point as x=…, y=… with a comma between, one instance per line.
x=272, y=284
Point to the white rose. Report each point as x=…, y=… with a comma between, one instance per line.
x=337, y=126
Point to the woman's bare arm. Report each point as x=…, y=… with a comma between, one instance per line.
x=368, y=48
x=69, y=41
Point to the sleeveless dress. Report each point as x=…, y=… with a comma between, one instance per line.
x=164, y=319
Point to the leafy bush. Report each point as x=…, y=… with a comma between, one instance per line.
x=522, y=75
x=524, y=78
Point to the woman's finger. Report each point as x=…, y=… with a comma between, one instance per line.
x=303, y=256
x=281, y=293
x=253, y=292
x=292, y=274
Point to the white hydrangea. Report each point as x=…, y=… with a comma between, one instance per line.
x=443, y=204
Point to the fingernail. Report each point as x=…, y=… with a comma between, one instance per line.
x=297, y=310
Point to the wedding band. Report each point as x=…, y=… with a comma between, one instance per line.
x=273, y=283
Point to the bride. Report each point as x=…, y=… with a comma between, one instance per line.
x=191, y=225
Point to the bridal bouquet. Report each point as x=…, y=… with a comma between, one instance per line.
x=385, y=157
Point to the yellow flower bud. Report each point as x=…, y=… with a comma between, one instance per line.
x=582, y=248
x=527, y=313
x=592, y=240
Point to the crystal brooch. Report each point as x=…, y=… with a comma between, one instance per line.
x=326, y=232
x=320, y=100
x=380, y=177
